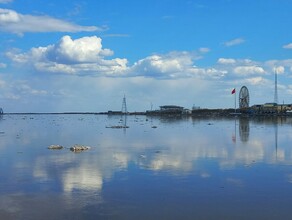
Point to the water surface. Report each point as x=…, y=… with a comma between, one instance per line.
x=158, y=168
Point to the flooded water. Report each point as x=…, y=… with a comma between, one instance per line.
x=158, y=168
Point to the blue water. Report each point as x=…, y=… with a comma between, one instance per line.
x=183, y=168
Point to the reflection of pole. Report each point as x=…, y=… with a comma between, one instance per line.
x=276, y=139
x=235, y=130
x=125, y=123
x=234, y=136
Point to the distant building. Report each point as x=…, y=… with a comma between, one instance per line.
x=271, y=108
x=196, y=107
x=1, y=111
x=171, y=109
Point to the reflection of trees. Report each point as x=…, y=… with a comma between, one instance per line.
x=272, y=120
x=169, y=118
x=244, y=129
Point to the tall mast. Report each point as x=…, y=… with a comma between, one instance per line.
x=276, y=87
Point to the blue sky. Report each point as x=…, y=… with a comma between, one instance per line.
x=68, y=55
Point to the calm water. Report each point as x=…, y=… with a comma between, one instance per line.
x=182, y=169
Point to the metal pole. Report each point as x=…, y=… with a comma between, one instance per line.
x=235, y=101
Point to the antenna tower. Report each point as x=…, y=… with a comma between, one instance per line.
x=124, y=106
x=276, y=87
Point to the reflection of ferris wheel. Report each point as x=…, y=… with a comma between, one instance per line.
x=243, y=97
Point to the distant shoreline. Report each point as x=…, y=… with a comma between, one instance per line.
x=194, y=113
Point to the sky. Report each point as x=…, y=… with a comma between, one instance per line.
x=85, y=56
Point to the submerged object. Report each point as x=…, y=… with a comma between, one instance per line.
x=78, y=148
x=55, y=147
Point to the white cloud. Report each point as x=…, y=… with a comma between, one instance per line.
x=226, y=61
x=280, y=69
x=20, y=89
x=23, y=88
x=247, y=70
x=204, y=50
x=234, y=42
x=81, y=56
x=86, y=56
x=281, y=65
x=86, y=49
x=11, y=21
x=256, y=81
x=163, y=65
x=288, y=46
x=242, y=67
x=173, y=65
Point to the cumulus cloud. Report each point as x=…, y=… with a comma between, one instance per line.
x=242, y=67
x=226, y=61
x=234, y=42
x=257, y=81
x=288, y=46
x=81, y=56
x=86, y=56
x=86, y=49
x=167, y=65
x=281, y=65
x=11, y=21
x=247, y=70
x=174, y=65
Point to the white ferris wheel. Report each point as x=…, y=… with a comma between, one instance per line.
x=243, y=97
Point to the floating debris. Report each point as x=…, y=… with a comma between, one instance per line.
x=117, y=126
x=79, y=148
x=55, y=147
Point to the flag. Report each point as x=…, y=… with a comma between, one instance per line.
x=233, y=91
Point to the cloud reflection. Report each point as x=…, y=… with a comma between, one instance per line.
x=181, y=148
x=82, y=178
